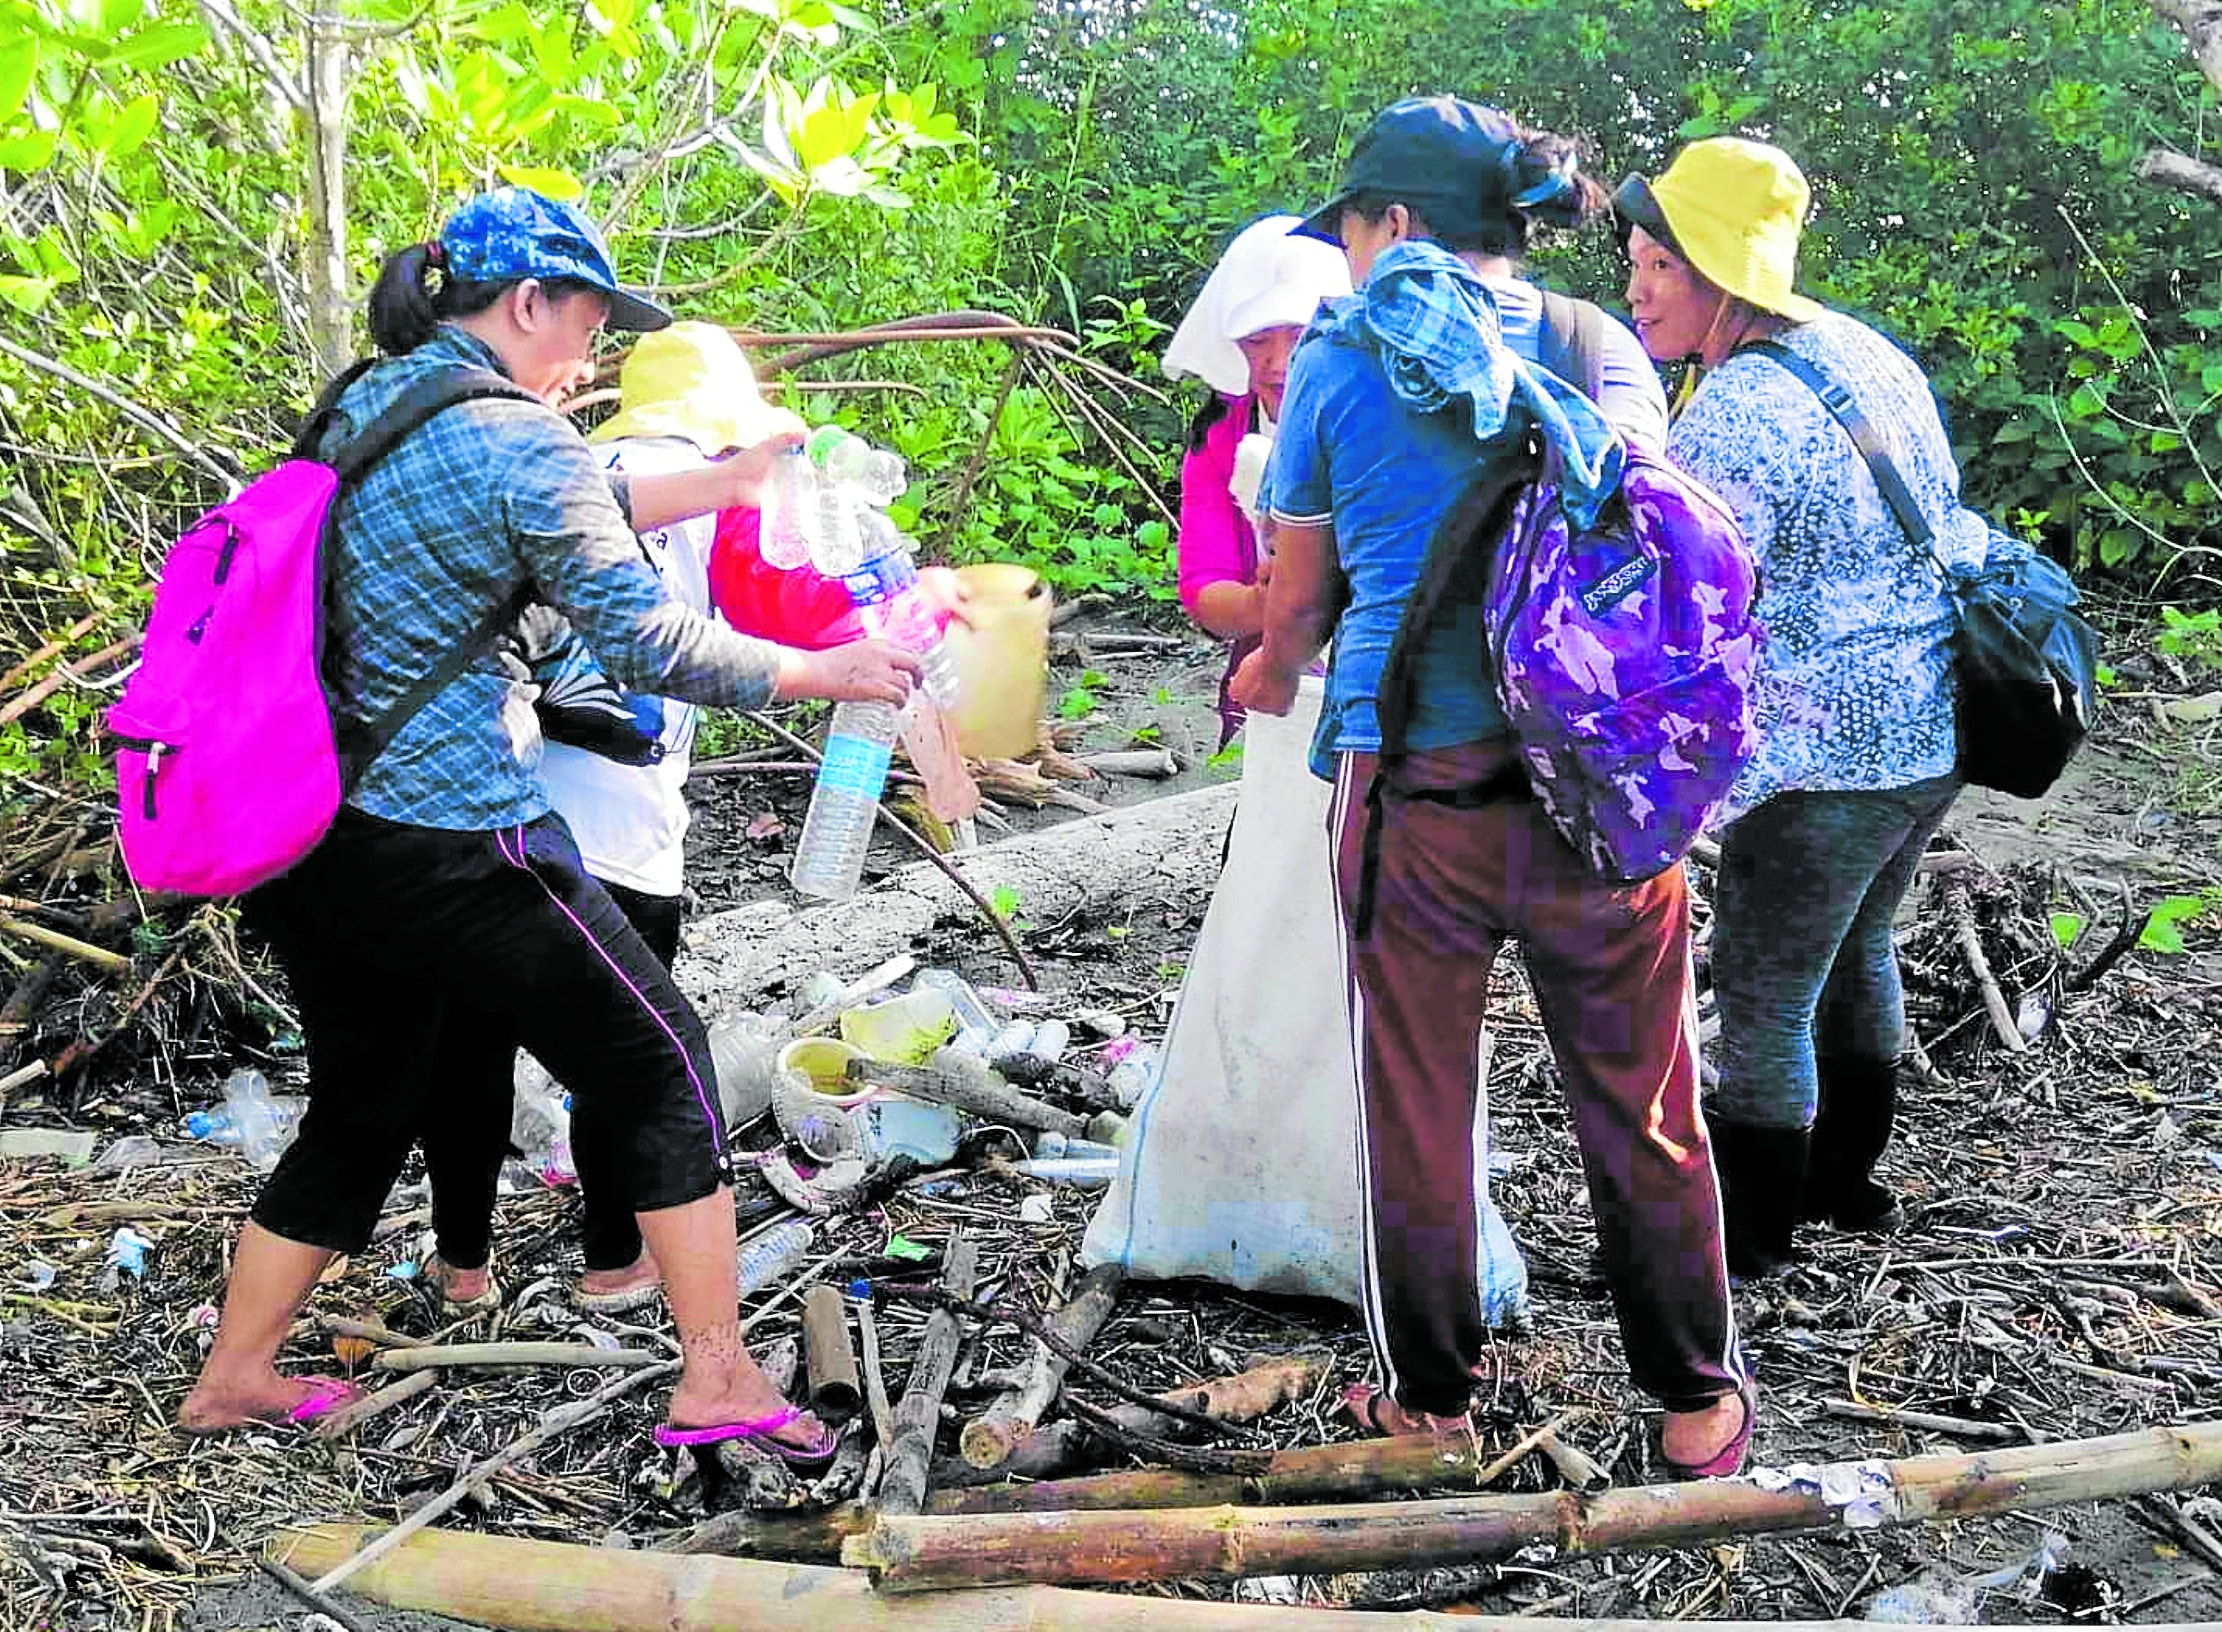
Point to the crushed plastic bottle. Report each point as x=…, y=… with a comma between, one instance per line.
x=1133, y=1066
x=853, y=478
x=540, y=1124
x=252, y=1120
x=1051, y=1038
x=745, y=1049
x=777, y=1252
x=1015, y=1038
x=972, y=1013
x=1940, y=1598
x=904, y=1029
x=133, y=1150
x=790, y=511
x=127, y=1255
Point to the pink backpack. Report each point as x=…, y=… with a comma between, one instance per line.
x=229, y=767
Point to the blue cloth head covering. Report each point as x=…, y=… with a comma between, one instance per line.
x=1433, y=322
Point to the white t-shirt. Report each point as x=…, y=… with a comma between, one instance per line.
x=630, y=821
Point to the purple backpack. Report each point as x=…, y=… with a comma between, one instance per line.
x=1623, y=654
x=229, y=764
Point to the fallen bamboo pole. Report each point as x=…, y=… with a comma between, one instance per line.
x=1012, y=1417
x=431, y=1357
x=923, y=1554
x=1346, y=1472
x=551, y=1586
x=918, y=1417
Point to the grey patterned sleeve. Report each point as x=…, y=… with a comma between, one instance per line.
x=574, y=541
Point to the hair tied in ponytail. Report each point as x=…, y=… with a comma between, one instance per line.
x=435, y=253
x=1555, y=183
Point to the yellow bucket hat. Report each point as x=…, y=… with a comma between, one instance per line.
x=692, y=381
x=1736, y=209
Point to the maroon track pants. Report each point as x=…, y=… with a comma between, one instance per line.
x=1610, y=969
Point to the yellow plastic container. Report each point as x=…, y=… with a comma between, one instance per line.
x=1001, y=660
x=824, y=1061
x=905, y=1030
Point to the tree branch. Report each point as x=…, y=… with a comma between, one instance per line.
x=146, y=418
x=2200, y=23
x=2180, y=172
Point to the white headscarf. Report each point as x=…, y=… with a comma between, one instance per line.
x=1265, y=279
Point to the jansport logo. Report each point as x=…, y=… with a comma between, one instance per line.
x=1617, y=585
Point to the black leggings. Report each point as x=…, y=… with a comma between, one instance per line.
x=398, y=939
x=463, y=1150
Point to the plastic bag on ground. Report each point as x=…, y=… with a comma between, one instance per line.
x=1241, y=1162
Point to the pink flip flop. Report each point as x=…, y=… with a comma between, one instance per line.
x=325, y=1396
x=757, y=1431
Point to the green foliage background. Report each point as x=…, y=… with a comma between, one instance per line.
x=803, y=165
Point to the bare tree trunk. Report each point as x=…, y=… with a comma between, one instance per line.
x=2200, y=23
x=331, y=312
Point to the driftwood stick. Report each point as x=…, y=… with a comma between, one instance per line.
x=1026, y=1320
x=1962, y=913
x=306, y=1594
x=348, y=1418
x=982, y=1095
x=61, y=677
x=53, y=648
x=1156, y=764
x=903, y=1485
x=434, y=1356
x=2130, y=932
x=1961, y=1427
x=559, y=1421
x=829, y=1358
x=1166, y=1452
x=1063, y=1447
x=988, y=1439
x=875, y=1378
x=55, y=941
x=505, y=1580
x=913, y=1554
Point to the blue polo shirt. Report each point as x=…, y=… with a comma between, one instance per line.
x=1349, y=452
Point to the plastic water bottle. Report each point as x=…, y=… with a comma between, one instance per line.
x=790, y=511
x=837, y=832
x=973, y=1014
x=854, y=479
x=252, y=1120
x=127, y=1255
x=775, y=1253
x=744, y=1047
x=846, y=458
x=1130, y=1076
x=884, y=587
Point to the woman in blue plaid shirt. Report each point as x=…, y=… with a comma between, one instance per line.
x=448, y=896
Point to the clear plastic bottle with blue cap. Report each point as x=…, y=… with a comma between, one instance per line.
x=790, y=512
x=252, y=1120
x=860, y=743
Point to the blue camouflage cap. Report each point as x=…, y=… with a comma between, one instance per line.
x=514, y=232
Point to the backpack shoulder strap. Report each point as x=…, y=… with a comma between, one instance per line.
x=319, y=420
x=361, y=744
x=1458, y=553
x=1574, y=341
x=430, y=396
x=1867, y=440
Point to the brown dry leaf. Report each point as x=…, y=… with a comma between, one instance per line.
x=353, y=1351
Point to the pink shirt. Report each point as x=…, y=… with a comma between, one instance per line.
x=1216, y=544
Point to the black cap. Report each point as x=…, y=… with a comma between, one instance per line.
x=1455, y=161
x=1633, y=206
